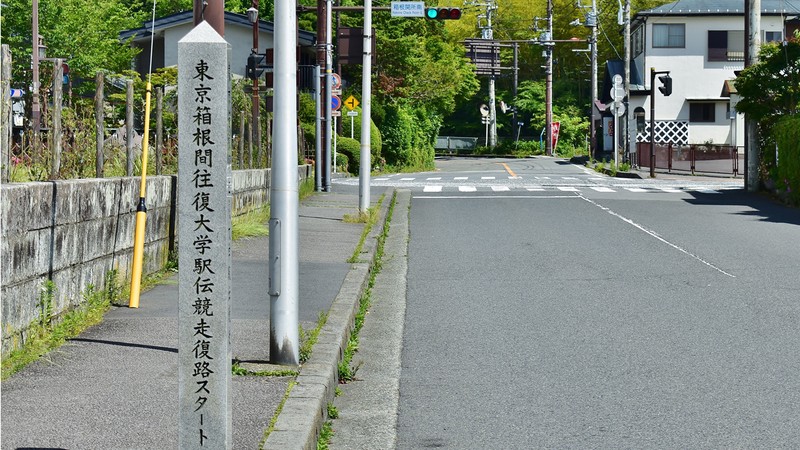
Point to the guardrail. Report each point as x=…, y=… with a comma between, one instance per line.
x=717, y=159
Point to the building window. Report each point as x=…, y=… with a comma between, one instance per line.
x=725, y=45
x=638, y=113
x=637, y=42
x=773, y=36
x=702, y=112
x=669, y=35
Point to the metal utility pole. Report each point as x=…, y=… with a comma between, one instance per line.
x=5, y=116
x=752, y=158
x=592, y=22
x=626, y=120
x=548, y=114
x=322, y=51
x=318, y=130
x=36, y=114
x=366, y=112
x=328, y=94
x=284, y=265
x=487, y=33
x=256, y=107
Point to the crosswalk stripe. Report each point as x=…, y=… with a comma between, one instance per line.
x=603, y=189
x=567, y=189
x=467, y=189
x=636, y=189
x=432, y=189
x=460, y=178
x=500, y=188
x=534, y=188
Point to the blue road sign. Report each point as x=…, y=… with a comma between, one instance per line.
x=336, y=102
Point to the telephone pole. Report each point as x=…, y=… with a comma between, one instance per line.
x=752, y=160
x=487, y=33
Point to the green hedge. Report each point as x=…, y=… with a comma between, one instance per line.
x=787, y=175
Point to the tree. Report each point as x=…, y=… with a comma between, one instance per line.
x=771, y=88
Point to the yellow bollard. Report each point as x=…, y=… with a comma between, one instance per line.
x=141, y=212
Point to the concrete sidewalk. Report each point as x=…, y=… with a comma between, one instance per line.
x=116, y=385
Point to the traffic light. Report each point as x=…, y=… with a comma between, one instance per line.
x=443, y=13
x=666, y=81
x=255, y=66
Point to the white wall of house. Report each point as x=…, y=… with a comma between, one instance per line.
x=240, y=39
x=697, y=80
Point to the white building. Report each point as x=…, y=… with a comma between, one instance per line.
x=702, y=44
x=168, y=30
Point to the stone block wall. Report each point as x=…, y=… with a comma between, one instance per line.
x=74, y=232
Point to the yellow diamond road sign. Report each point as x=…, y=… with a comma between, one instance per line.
x=351, y=103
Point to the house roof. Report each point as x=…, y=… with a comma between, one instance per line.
x=173, y=20
x=617, y=67
x=720, y=7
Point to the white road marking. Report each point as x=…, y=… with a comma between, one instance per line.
x=534, y=188
x=500, y=188
x=406, y=179
x=467, y=189
x=434, y=178
x=636, y=189
x=670, y=190
x=707, y=191
x=432, y=189
x=567, y=189
x=460, y=178
x=380, y=179
x=655, y=235
x=568, y=178
x=487, y=178
x=603, y=189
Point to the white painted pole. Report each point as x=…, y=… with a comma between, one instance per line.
x=319, y=165
x=284, y=266
x=366, y=97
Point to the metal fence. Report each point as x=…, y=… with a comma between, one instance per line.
x=717, y=159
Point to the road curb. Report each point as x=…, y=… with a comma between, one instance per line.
x=305, y=410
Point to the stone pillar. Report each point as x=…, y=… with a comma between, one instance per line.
x=204, y=219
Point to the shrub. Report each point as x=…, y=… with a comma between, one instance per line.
x=351, y=148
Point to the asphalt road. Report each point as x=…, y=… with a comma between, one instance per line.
x=548, y=306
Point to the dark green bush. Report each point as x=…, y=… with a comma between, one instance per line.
x=351, y=148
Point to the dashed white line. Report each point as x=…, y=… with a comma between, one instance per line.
x=567, y=189
x=434, y=178
x=603, y=189
x=655, y=235
x=406, y=179
x=432, y=189
x=500, y=188
x=487, y=178
x=534, y=188
x=670, y=190
x=636, y=189
x=467, y=189
x=460, y=178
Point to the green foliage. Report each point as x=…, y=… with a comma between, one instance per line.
x=770, y=89
x=45, y=335
x=309, y=338
x=351, y=148
x=530, y=102
x=787, y=173
x=375, y=140
x=409, y=135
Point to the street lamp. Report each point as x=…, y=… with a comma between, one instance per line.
x=252, y=15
